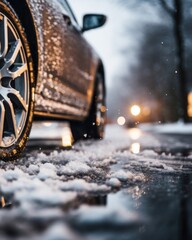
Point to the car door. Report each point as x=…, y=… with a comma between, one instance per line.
x=68, y=58
x=79, y=50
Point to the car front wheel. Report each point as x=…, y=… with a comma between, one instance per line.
x=16, y=85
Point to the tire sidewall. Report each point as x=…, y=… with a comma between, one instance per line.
x=98, y=130
x=16, y=149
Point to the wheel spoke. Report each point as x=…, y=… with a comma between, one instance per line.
x=11, y=56
x=3, y=37
x=17, y=99
x=18, y=70
x=2, y=120
x=13, y=52
x=10, y=117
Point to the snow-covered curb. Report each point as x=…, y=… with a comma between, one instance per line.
x=172, y=128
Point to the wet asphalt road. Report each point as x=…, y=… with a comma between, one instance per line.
x=155, y=203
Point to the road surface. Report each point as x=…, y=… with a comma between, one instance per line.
x=134, y=184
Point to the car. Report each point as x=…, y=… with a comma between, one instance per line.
x=47, y=71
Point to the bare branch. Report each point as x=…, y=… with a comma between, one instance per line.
x=167, y=8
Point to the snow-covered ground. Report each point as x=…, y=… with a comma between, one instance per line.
x=174, y=128
x=51, y=190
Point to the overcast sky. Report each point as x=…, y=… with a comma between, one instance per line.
x=106, y=39
x=122, y=32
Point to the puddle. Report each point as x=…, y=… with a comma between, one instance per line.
x=50, y=135
x=169, y=144
x=159, y=209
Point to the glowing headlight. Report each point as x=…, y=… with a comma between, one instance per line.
x=135, y=110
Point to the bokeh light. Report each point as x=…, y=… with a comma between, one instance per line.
x=121, y=120
x=135, y=110
x=189, y=104
x=135, y=148
x=134, y=133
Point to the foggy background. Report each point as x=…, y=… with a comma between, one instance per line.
x=139, y=51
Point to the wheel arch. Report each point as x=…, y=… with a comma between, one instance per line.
x=24, y=14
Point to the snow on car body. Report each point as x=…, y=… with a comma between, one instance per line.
x=64, y=76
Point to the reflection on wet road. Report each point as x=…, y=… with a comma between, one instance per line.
x=132, y=185
x=55, y=134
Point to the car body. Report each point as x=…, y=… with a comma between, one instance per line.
x=60, y=74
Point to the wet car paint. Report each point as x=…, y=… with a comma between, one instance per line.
x=67, y=64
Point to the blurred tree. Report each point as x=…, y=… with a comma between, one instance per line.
x=154, y=77
x=187, y=32
x=177, y=15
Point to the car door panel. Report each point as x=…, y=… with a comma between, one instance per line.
x=65, y=61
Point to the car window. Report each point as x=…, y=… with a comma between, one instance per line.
x=67, y=8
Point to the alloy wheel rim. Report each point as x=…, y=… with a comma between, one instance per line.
x=14, y=84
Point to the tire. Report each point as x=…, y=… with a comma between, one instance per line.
x=93, y=126
x=16, y=85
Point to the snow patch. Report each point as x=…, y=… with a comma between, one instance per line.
x=11, y=175
x=47, y=170
x=33, y=169
x=22, y=184
x=149, y=153
x=80, y=185
x=59, y=231
x=102, y=216
x=75, y=167
x=176, y=128
x=122, y=175
x=46, y=197
x=114, y=182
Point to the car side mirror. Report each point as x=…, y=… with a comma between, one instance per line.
x=91, y=21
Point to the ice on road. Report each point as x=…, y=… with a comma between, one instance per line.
x=89, y=190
